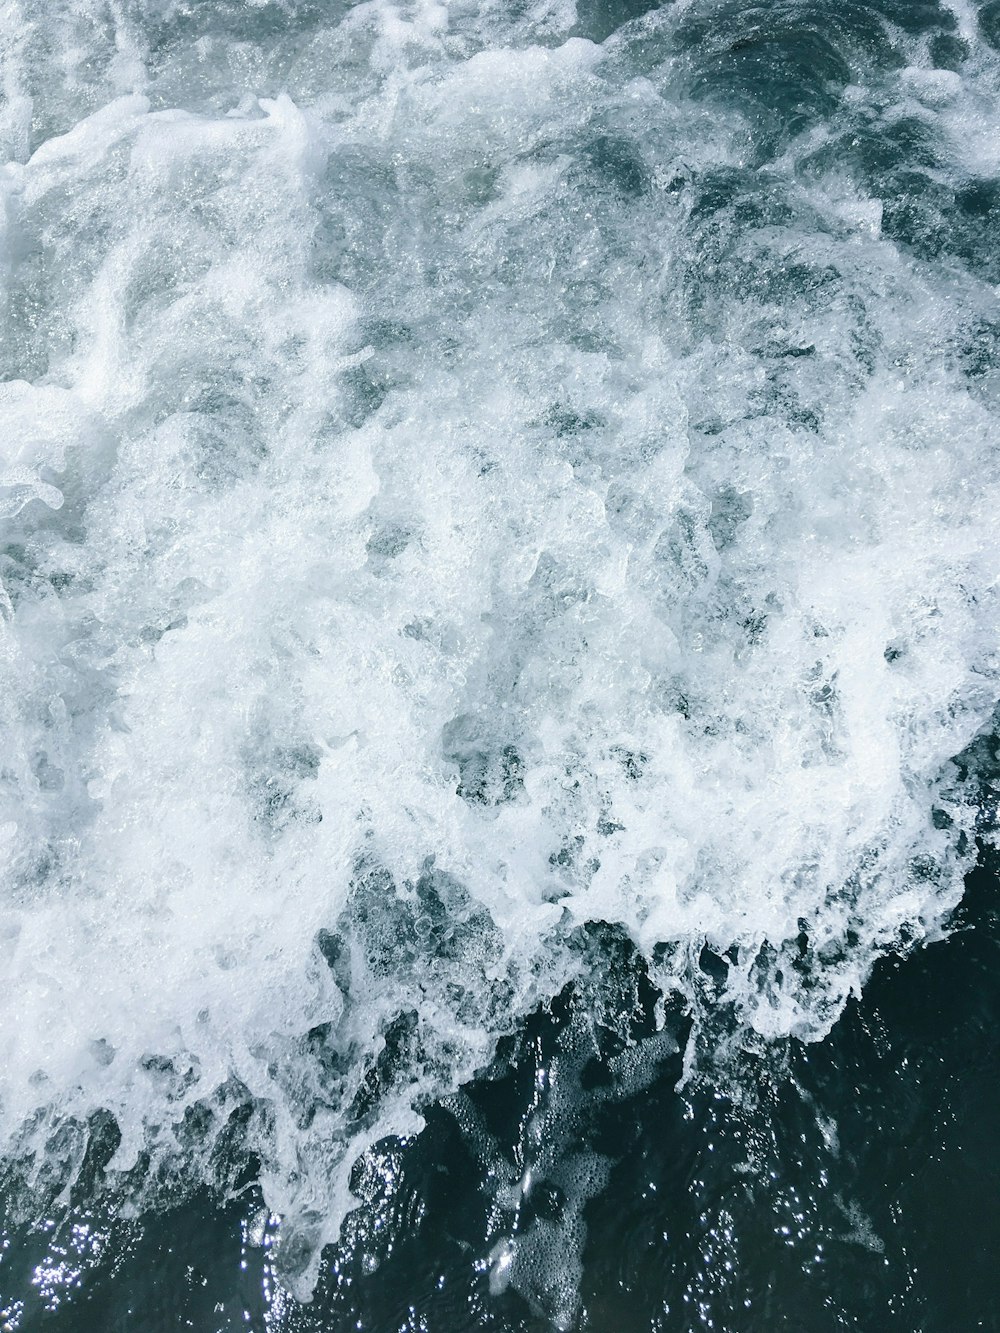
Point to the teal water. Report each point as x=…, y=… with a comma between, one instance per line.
x=849, y=1185
x=498, y=665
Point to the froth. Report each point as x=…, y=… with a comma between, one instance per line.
x=447, y=502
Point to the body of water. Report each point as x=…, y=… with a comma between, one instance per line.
x=498, y=665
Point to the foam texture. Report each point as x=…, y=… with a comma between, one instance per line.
x=456, y=486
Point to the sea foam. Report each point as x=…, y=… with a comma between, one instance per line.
x=456, y=487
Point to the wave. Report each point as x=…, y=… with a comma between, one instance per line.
x=472, y=481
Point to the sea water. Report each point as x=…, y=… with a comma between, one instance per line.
x=498, y=581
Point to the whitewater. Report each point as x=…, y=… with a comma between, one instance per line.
x=472, y=477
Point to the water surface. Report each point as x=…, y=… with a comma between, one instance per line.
x=498, y=529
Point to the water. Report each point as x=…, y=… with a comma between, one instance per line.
x=499, y=638
x=870, y=1202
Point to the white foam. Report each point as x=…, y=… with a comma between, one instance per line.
x=438, y=484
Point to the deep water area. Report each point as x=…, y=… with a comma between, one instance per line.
x=499, y=657
x=850, y=1184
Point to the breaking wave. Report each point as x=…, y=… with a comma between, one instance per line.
x=483, y=489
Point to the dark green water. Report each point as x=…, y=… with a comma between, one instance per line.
x=853, y=1185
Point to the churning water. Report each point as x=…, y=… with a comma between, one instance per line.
x=500, y=517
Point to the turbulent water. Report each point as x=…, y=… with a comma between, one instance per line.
x=500, y=509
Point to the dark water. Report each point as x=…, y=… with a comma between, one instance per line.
x=848, y=1185
x=631, y=396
